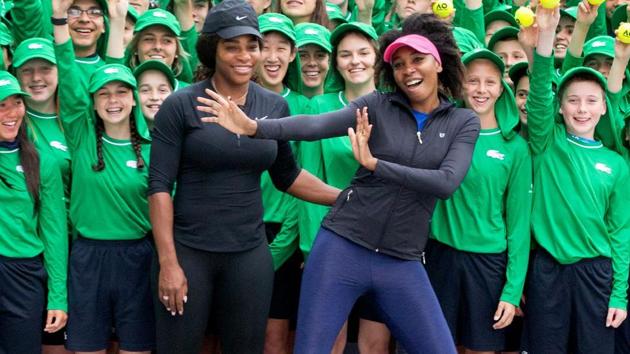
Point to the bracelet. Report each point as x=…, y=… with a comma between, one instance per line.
x=59, y=21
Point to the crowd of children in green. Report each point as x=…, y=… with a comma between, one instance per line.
x=531, y=252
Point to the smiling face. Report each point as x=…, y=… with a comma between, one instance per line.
x=355, y=59
x=582, y=106
x=564, y=32
x=416, y=75
x=277, y=53
x=315, y=64
x=153, y=88
x=236, y=59
x=113, y=103
x=12, y=113
x=406, y=8
x=85, y=29
x=38, y=78
x=158, y=43
x=298, y=10
x=482, y=86
x=522, y=91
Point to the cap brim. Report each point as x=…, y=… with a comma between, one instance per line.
x=11, y=92
x=21, y=61
x=279, y=29
x=340, y=30
x=235, y=31
x=503, y=34
x=158, y=66
x=484, y=54
x=517, y=71
x=326, y=46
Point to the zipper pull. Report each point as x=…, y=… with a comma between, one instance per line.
x=419, y=134
x=238, y=140
x=348, y=196
x=424, y=260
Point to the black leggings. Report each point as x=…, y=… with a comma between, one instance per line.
x=237, y=286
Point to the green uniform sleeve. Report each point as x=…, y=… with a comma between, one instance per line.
x=28, y=20
x=517, y=214
x=540, y=118
x=189, y=42
x=599, y=26
x=618, y=222
x=473, y=21
x=286, y=241
x=53, y=232
x=74, y=102
x=571, y=62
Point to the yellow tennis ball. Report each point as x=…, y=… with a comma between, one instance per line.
x=550, y=4
x=524, y=16
x=596, y=2
x=443, y=8
x=623, y=33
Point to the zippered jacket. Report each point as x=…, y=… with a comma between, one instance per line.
x=389, y=210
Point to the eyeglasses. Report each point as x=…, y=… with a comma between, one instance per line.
x=93, y=13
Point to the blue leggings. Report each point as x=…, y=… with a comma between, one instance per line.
x=339, y=271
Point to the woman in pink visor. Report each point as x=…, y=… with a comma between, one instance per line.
x=414, y=146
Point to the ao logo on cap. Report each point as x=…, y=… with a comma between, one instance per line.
x=35, y=46
x=311, y=32
x=111, y=71
x=5, y=82
x=159, y=14
x=275, y=19
x=598, y=44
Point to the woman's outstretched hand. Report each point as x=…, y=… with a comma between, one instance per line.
x=360, y=138
x=226, y=113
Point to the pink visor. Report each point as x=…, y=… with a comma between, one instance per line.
x=414, y=41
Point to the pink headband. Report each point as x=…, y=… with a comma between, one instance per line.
x=415, y=41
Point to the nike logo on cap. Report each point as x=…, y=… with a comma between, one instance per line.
x=238, y=18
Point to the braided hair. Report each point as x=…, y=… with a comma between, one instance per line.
x=136, y=141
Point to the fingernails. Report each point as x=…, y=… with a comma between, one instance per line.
x=168, y=309
x=165, y=298
x=185, y=299
x=173, y=313
x=181, y=313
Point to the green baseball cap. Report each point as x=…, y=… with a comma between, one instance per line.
x=9, y=86
x=482, y=53
x=6, y=37
x=334, y=13
x=500, y=15
x=581, y=70
x=276, y=22
x=132, y=13
x=312, y=33
x=618, y=16
x=517, y=71
x=570, y=12
x=158, y=17
x=338, y=33
x=503, y=34
x=34, y=48
x=466, y=40
x=604, y=45
x=108, y=73
x=156, y=65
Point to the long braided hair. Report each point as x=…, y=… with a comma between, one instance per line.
x=136, y=142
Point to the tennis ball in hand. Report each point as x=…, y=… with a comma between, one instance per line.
x=524, y=16
x=595, y=2
x=623, y=33
x=443, y=8
x=550, y=4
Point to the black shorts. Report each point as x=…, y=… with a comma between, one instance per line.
x=567, y=305
x=109, y=286
x=286, y=283
x=22, y=300
x=468, y=287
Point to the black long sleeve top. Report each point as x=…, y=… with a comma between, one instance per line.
x=217, y=204
x=389, y=210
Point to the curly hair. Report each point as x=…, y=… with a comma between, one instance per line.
x=440, y=34
x=207, y=45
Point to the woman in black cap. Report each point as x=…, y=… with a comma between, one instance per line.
x=212, y=250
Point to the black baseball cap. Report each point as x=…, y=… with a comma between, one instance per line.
x=232, y=18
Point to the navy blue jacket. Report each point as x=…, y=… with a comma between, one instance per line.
x=389, y=210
